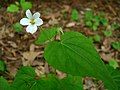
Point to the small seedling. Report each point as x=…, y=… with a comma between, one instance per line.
x=15, y=7
x=107, y=33
x=115, y=26
x=104, y=21
x=75, y=15
x=25, y=5
x=17, y=27
x=116, y=45
x=94, y=21
x=97, y=38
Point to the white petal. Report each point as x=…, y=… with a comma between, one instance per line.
x=31, y=29
x=24, y=21
x=29, y=14
x=38, y=21
x=36, y=15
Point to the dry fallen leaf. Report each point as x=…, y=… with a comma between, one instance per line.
x=60, y=74
x=13, y=44
x=71, y=24
x=107, y=57
x=40, y=70
x=29, y=56
x=106, y=44
x=53, y=21
x=89, y=84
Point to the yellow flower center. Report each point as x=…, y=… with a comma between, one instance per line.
x=32, y=21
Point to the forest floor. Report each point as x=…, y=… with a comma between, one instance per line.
x=17, y=49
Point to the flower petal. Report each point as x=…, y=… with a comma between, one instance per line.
x=38, y=21
x=36, y=15
x=31, y=29
x=29, y=14
x=24, y=21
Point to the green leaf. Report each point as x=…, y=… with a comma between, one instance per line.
x=4, y=84
x=115, y=74
x=76, y=55
x=113, y=63
x=22, y=1
x=96, y=23
x=12, y=8
x=89, y=15
x=24, y=78
x=116, y=45
x=115, y=26
x=18, y=27
x=46, y=34
x=26, y=71
x=71, y=83
x=26, y=5
x=96, y=19
x=53, y=83
x=107, y=33
x=47, y=83
x=104, y=21
x=2, y=65
x=89, y=23
x=97, y=38
x=94, y=27
x=74, y=15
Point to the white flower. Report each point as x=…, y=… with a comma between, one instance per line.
x=32, y=21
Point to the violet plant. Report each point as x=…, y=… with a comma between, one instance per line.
x=73, y=54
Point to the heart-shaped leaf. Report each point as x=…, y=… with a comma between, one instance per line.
x=76, y=55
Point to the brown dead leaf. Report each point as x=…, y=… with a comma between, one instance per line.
x=37, y=63
x=53, y=21
x=107, y=57
x=60, y=74
x=12, y=70
x=66, y=8
x=89, y=84
x=12, y=67
x=71, y=24
x=29, y=56
x=13, y=44
x=1, y=20
x=32, y=47
x=40, y=70
x=46, y=68
x=106, y=45
x=52, y=15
